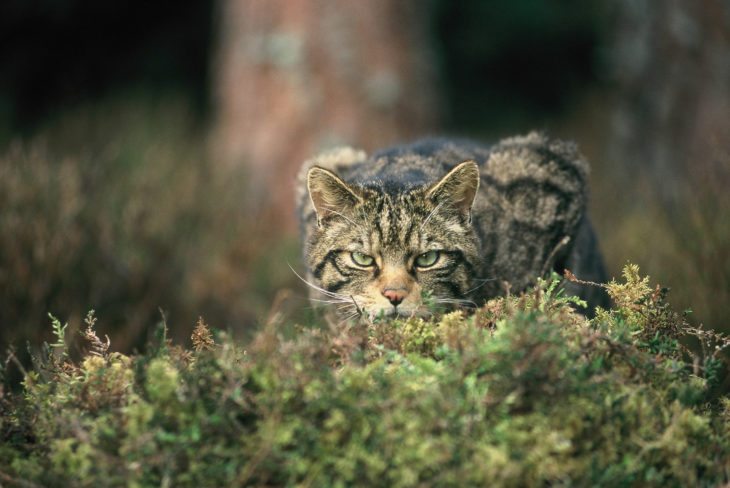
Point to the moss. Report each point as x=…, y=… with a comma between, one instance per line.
x=162, y=381
x=523, y=392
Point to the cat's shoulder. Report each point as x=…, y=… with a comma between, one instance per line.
x=539, y=158
x=443, y=149
x=537, y=148
x=534, y=155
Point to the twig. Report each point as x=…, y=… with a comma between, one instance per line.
x=274, y=314
x=357, y=307
x=572, y=278
x=12, y=357
x=551, y=257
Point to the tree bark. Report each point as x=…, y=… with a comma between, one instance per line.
x=671, y=59
x=296, y=76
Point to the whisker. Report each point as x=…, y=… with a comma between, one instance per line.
x=484, y=282
x=348, y=318
x=456, y=301
x=431, y=214
x=319, y=289
x=344, y=217
x=328, y=301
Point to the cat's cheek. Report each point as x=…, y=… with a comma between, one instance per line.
x=414, y=301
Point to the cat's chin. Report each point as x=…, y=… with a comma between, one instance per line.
x=398, y=313
x=383, y=314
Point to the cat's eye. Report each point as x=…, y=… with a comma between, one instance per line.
x=362, y=259
x=427, y=259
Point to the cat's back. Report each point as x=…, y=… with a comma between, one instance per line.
x=532, y=156
x=419, y=163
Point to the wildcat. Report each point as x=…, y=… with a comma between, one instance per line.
x=445, y=222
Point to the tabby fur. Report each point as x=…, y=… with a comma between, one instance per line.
x=498, y=217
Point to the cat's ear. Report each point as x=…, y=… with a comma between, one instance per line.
x=458, y=188
x=329, y=193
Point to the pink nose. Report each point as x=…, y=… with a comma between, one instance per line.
x=395, y=296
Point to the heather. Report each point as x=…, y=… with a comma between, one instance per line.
x=522, y=391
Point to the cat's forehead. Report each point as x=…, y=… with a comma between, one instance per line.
x=394, y=222
x=395, y=209
x=385, y=197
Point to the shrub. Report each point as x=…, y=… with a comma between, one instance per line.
x=522, y=392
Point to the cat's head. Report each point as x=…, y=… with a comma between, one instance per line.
x=393, y=252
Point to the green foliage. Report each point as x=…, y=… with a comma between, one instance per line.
x=522, y=392
x=59, y=347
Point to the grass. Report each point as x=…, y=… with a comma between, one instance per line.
x=522, y=392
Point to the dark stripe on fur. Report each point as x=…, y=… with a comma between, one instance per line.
x=319, y=269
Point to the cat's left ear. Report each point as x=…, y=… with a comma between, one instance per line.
x=329, y=194
x=458, y=188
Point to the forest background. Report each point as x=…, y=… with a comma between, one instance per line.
x=148, y=152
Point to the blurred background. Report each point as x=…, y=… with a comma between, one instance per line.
x=148, y=150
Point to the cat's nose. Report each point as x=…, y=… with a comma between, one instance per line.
x=395, y=296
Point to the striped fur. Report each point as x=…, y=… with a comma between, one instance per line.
x=496, y=225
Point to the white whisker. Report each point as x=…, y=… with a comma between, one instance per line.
x=346, y=218
x=328, y=301
x=456, y=301
x=433, y=212
x=348, y=318
x=484, y=282
x=330, y=294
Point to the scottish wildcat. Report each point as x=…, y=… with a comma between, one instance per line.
x=453, y=221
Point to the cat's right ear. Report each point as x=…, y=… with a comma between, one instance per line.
x=458, y=188
x=329, y=194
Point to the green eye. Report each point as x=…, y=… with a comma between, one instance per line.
x=427, y=259
x=362, y=259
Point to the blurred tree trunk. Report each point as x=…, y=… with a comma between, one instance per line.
x=295, y=76
x=671, y=59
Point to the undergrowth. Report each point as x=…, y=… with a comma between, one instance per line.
x=128, y=214
x=523, y=392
